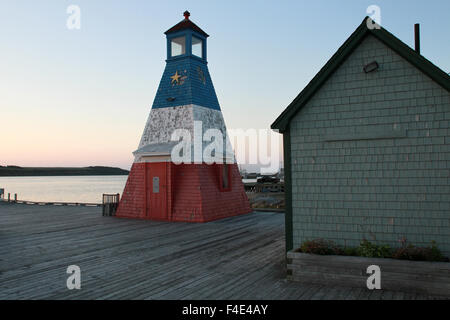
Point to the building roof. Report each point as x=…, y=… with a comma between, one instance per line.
x=165, y=149
x=417, y=60
x=186, y=24
x=156, y=149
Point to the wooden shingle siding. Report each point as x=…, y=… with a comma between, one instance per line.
x=370, y=155
x=193, y=195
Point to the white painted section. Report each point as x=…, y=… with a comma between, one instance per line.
x=162, y=122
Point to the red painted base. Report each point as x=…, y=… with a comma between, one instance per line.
x=186, y=192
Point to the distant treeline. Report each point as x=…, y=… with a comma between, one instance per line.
x=15, y=171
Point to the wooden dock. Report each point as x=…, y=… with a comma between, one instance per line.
x=235, y=258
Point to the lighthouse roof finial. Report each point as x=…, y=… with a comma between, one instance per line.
x=186, y=24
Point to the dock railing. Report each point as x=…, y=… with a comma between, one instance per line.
x=110, y=203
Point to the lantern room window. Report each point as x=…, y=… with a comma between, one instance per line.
x=197, y=47
x=178, y=46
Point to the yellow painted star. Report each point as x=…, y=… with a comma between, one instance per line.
x=175, y=77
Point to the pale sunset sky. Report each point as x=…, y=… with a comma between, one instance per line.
x=81, y=97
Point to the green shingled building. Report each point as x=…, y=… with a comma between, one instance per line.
x=367, y=147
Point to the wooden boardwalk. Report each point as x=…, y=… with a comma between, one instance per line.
x=234, y=258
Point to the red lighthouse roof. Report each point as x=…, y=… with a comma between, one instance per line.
x=186, y=24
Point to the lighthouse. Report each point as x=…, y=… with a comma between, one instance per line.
x=171, y=179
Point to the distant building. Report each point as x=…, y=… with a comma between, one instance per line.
x=159, y=189
x=367, y=147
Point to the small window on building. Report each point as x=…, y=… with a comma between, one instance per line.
x=197, y=47
x=178, y=46
x=225, y=177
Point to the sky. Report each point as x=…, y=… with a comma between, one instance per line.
x=81, y=97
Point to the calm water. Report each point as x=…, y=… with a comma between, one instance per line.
x=84, y=189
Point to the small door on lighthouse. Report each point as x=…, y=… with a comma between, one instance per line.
x=156, y=190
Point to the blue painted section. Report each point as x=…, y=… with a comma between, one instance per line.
x=194, y=85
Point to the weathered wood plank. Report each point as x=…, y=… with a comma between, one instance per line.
x=234, y=258
x=397, y=275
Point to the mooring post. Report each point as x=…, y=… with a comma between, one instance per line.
x=103, y=205
x=15, y=197
x=9, y=197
